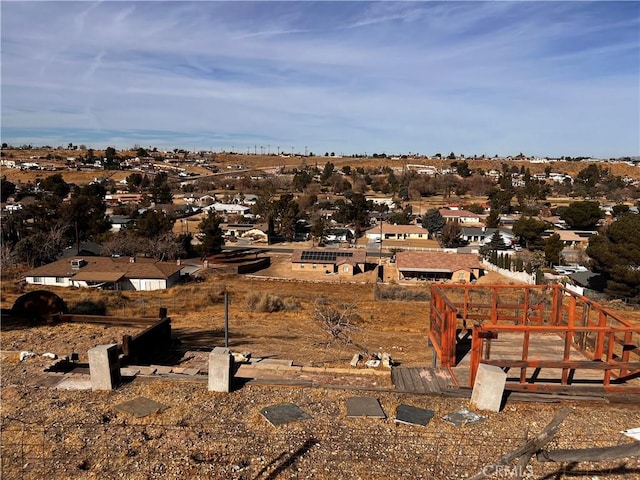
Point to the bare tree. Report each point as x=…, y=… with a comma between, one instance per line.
x=338, y=322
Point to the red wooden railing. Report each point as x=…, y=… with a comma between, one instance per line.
x=607, y=341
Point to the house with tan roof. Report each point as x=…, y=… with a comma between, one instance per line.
x=107, y=273
x=438, y=266
x=390, y=231
x=464, y=217
x=344, y=262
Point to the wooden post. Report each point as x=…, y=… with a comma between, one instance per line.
x=476, y=353
x=525, y=355
x=610, y=345
x=600, y=336
x=494, y=306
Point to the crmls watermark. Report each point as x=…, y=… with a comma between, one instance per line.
x=508, y=471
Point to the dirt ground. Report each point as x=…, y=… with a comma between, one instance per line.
x=79, y=434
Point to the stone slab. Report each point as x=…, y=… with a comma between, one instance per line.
x=140, y=407
x=355, y=360
x=129, y=371
x=46, y=381
x=364, y=407
x=283, y=413
x=191, y=371
x=75, y=382
x=488, y=388
x=463, y=417
x=411, y=415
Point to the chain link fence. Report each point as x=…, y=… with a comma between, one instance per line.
x=145, y=451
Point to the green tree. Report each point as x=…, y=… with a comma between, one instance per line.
x=160, y=189
x=402, y=217
x=327, y=172
x=56, y=185
x=141, y=152
x=318, y=229
x=552, y=248
x=582, y=215
x=112, y=161
x=497, y=242
x=7, y=189
x=433, y=221
x=616, y=254
x=152, y=224
x=301, y=179
x=287, y=214
x=493, y=220
x=529, y=230
x=462, y=169
x=620, y=209
x=588, y=178
x=134, y=181
x=212, y=235
x=85, y=214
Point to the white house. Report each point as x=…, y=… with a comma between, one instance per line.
x=227, y=208
x=482, y=235
x=107, y=273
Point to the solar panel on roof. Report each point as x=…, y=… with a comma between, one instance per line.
x=323, y=255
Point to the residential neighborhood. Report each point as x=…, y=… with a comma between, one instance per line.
x=326, y=240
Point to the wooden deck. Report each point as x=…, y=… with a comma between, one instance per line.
x=424, y=380
x=508, y=346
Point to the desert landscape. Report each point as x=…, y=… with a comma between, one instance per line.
x=202, y=434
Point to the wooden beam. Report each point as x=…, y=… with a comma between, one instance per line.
x=528, y=449
x=599, y=454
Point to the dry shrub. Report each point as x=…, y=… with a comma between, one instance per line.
x=403, y=294
x=215, y=294
x=268, y=302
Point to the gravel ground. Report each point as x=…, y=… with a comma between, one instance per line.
x=79, y=434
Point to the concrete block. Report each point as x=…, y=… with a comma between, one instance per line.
x=220, y=370
x=355, y=360
x=488, y=388
x=104, y=367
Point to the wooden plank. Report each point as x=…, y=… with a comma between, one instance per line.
x=590, y=454
x=412, y=381
x=426, y=379
x=528, y=449
x=575, y=364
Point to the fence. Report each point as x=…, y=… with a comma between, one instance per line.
x=607, y=342
x=153, y=451
x=520, y=276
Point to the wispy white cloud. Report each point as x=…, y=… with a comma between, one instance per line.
x=496, y=77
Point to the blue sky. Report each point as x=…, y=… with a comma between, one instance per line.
x=543, y=78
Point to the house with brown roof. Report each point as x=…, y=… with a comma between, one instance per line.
x=107, y=273
x=344, y=262
x=438, y=266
